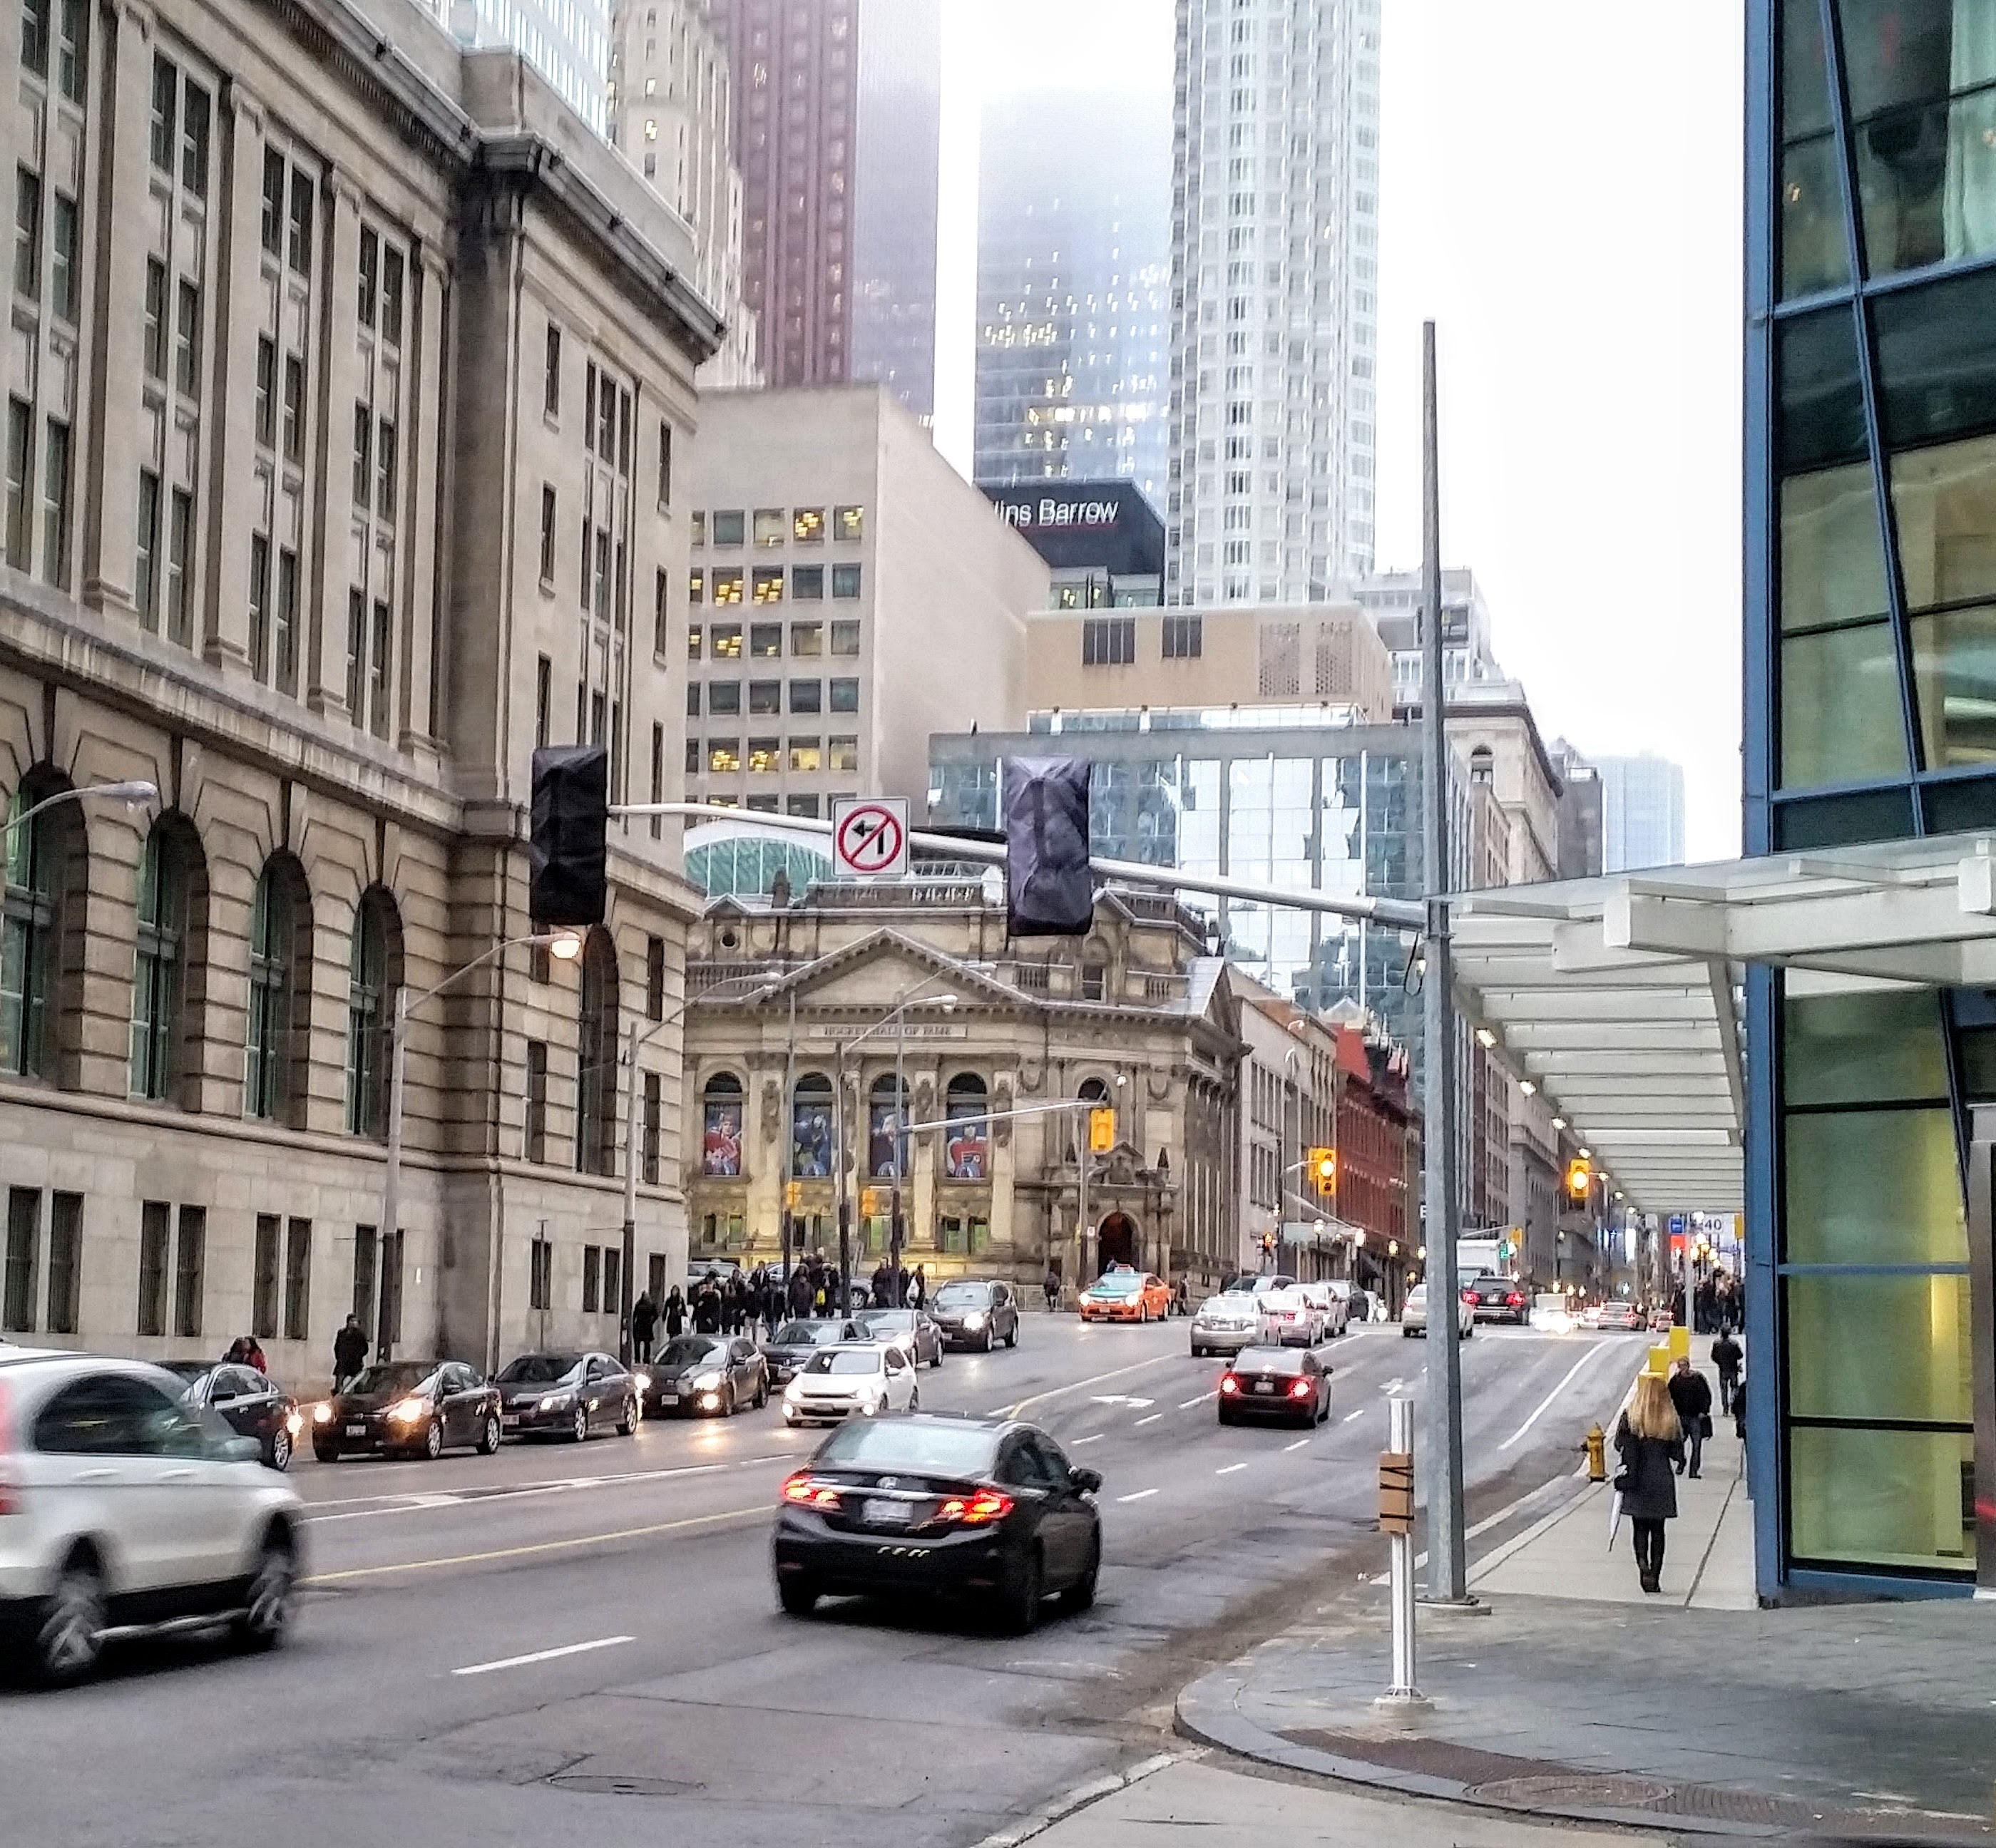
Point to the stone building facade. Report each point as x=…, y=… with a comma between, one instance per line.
x=1136, y=1016
x=346, y=376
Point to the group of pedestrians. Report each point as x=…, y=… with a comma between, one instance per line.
x=1660, y=1436
x=738, y=1302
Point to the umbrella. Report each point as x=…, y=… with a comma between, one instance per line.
x=1614, y=1518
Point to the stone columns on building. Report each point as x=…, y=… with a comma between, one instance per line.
x=234, y=492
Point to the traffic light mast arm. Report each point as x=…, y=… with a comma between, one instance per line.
x=1029, y=1110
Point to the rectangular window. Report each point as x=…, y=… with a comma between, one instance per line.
x=24, y=1240
x=692, y=758
x=843, y=753
x=20, y=472
x=658, y=778
x=806, y=640
x=769, y=526
x=284, y=633
x=35, y=36
x=724, y=586
x=844, y=696
x=650, y=1170
x=65, y=1262
x=599, y=575
x=391, y=297
x=655, y=978
x=550, y=374
x=661, y=616
x=724, y=755
x=363, y=456
x=180, y=551
x=606, y=420
x=696, y=530
x=27, y=235
x=723, y=698
x=299, y=248
x=766, y=696
x=370, y=276
x=807, y=583
x=146, y=570
x=807, y=525
x=264, y=1287
x=544, y=676
x=613, y=1280
x=273, y=203
x=805, y=755
x=598, y=718
x=187, y=340
x=165, y=93
x=665, y=463
x=298, y=1280
x=592, y=1279
x=356, y=642
x=535, y=1148
x=294, y=408
x=729, y=526
x=62, y=258
x=764, y=755
x=767, y=586
x=696, y=588
x=259, y=606
x=266, y=381
x=378, y=662
x=849, y=523
x=385, y=460
x=1109, y=641
x=724, y=640
x=846, y=638
x=844, y=582
x=806, y=696
x=155, y=1227
x=194, y=141
x=190, y=1269
x=766, y=641
x=55, y=505
x=155, y=340
x=801, y=805
x=365, y=1266
x=540, y=1274
x=547, y=537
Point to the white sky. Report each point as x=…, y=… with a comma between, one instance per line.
x=1560, y=192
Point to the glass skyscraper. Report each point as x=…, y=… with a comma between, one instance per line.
x=1871, y=560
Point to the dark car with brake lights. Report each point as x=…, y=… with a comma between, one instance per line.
x=573, y=1395
x=794, y=1343
x=916, y=1507
x=1498, y=1300
x=408, y=1408
x=250, y=1403
x=699, y=1375
x=976, y=1312
x=1289, y=1384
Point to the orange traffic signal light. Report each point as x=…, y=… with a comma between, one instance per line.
x=1579, y=1180
x=1321, y=1164
x=1101, y=1131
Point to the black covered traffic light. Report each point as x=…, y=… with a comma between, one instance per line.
x=571, y=818
x=1049, y=890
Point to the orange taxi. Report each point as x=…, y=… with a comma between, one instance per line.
x=1121, y=1294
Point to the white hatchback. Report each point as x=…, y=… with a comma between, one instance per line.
x=121, y=1509
x=860, y=1380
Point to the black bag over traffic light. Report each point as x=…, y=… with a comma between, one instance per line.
x=1049, y=890
x=565, y=851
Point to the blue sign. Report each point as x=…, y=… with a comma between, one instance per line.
x=1677, y=1225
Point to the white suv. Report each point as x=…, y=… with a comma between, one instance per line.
x=121, y=1509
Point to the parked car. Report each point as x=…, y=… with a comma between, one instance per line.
x=912, y=1330
x=1122, y=1294
x=1414, y=1314
x=1337, y=1312
x=836, y=1383
x=1226, y=1324
x=1625, y=1316
x=903, y=1507
x=976, y=1312
x=572, y=1395
x=1498, y=1300
x=1291, y=1315
x=1253, y=1282
x=409, y=1408
x=795, y=1342
x=251, y=1404
x=1358, y=1302
x=91, y=1453
x=699, y=1375
x=1275, y=1382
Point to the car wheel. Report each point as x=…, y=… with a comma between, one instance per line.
x=761, y=1391
x=628, y=1422
x=433, y=1440
x=799, y=1597
x=1226, y=1416
x=279, y=1454
x=579, y=1425
x=266, y=1611
x=1012, y=1336
x=488, y=1438
x=728, y=1402
x=938, y=1361
x=915, y=1400
x=986, y=1348
x=69, y=1637
x=326, y=1453
x=1019, y=1603
x=1080, y=1595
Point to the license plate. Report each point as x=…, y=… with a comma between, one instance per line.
x=1264, y=1385
x=356, y=1430
x=886, y=1514
x=669, y=1398
x=510, y=1421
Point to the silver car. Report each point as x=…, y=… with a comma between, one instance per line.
x=1226, y=1324
x=1414, y=1314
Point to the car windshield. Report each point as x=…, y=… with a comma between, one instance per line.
x=391, y=1376
x=688, y=1351
x=1417, y=1294
x=845, y=1360
x=886, y=1321
x=1269, y=1360
x=1119, y=1283
x=539, y=1369
x=917, y=1445
x=963, y=1295
x=809, y=1334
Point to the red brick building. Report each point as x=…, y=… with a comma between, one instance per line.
x=1378, y=1143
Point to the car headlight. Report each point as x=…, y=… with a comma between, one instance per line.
x=555, y=1401
x=321, y=1414
x=706, y=1382
x=794, y=1391
x=293, y=1422
x=408, y=1410
x=644, y=1382
x=974, y=1320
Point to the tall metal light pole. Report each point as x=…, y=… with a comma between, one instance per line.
x=1448, y=1581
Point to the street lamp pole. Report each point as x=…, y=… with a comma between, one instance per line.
x=135, y=794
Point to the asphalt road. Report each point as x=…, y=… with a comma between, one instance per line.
x=573, y=1643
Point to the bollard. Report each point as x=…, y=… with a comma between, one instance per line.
x=1596, y=1444
x=1396, y=1517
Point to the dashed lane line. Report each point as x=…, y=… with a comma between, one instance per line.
x=1351, y=1417
x=544, y=1655
x=1152, y=1419
x=1229, y=1469
x=1142, y=1494
x=1297, y=1445
x=1094, y=1437
x=1201, y=1400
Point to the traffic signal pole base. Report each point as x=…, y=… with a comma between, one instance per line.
x=1407, y=1702
x=1465, y=1606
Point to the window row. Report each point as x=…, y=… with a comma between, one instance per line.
x=779, y=526
x=966, y=1141
x=726, y=584
x=767, y=755
x=723, y=698
x=766, y=640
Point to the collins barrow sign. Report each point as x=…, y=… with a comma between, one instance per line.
x=869, y=838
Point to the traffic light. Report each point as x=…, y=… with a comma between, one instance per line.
x=1101, y=1130
x=566, y=850
x=1049, y=888
x=1267, y=1242
x=1579, y=1180
x=1321, y=1165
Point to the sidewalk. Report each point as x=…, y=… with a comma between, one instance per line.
x=1576, y=1697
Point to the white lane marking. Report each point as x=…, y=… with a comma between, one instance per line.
x=1152, y=1419
x=1393, y=1385
x=1201, y=1400
x=418, y=1504
x=1592, y=1353
x=1095, y=1438
x=1141, y=1496
x=1229, y=1469
x=1074, y=1385
x=543, y=1655
x=1297, y=1445
x=1123, y=1398
x=1349, y=1417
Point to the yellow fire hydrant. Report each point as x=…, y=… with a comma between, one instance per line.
x=1596, y=1446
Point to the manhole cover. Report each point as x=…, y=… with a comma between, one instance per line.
x=1582, y=1792
x=596, y=1785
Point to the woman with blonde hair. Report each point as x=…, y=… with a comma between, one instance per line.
x=1649, y=1441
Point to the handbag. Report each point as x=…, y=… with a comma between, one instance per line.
x=1620, y=1485
x=1704, y=1424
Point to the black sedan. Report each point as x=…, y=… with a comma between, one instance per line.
x=982, y=1508
x=1290, y=1384
x=976, y=1312
x=795, y=1342
x=566, y=1395
x=408, y=1408
x=252, y=1405
x=700, y=1374
x=909, y=1329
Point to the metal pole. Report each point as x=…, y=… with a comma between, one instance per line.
x=1405, y=1693
x=844, y=1204
x=391, y=1181
x=786, y=1225
x=900, y=1130
x=1448, y=1565
x=1080, y=1277
x=630, y=1198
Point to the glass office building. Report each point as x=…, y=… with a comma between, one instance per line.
x=1870, y=474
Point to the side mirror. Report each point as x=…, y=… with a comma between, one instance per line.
x=1087, y=1480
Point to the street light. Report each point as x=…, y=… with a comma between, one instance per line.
x=135, y=794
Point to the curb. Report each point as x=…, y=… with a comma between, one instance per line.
x=1080, y=1797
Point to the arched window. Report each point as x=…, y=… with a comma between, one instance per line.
x=281, y=954
x=810, y=1128
x=168, y=963
x=1094, y=977
x=1482, y=765
x=721, y=1117
x=1093, y=1090
x=886, y=1140
x=967, y=1143
x=596, y=1051
x=41, y=926
x=374, y=973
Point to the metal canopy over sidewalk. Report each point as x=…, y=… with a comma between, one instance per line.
x=1619, y=997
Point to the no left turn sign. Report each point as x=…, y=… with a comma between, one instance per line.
x=869, y=837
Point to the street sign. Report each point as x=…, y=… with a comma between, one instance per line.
x=869, y=837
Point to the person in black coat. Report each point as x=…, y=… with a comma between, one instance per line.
x=707, y=1306
x=644, y=1324
x=1650, y=1442
x=1691, y=1394
x=1728, y=1356
x=674, y=1311
x=349, y=1352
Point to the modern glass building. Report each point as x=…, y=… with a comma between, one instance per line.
x=1871, y=709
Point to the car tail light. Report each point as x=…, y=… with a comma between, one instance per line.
x=1471, y=1298
x=978, y=1510
x=806, y=1492
x=1300, y=1390
x=1515, y=1300
x=1228, y=1384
